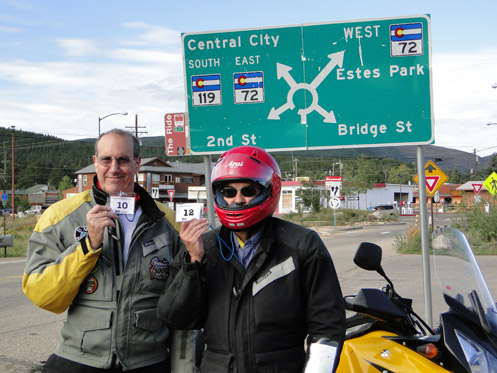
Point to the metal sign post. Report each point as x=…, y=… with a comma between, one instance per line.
x=425, y=239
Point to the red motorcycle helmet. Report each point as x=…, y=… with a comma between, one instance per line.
x=246, y=164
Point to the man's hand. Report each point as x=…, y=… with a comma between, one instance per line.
x=99, y=218
x=191, y=232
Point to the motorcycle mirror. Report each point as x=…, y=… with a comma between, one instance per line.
x=368, y=257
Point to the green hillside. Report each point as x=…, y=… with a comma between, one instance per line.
x=43, y=159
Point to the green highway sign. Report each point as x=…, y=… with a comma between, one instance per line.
x=314, y=86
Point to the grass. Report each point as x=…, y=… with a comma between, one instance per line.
x=410, y=243
x=21, y=230
x=326, y=217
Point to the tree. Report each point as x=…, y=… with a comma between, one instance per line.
x=309, y=197
x=492, y=166
x=400, y=174
x=457, y=177
x=65, y=183
x=360, y=176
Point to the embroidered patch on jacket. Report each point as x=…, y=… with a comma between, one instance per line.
x=80, y=233
x=89, y=285
x=159, y=269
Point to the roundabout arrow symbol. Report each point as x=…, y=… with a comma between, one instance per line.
x=283, y=71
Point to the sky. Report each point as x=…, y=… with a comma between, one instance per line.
x=65, y=64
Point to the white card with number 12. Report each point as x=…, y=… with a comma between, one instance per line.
x=188, y=211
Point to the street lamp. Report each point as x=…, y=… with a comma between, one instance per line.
x=100, y=119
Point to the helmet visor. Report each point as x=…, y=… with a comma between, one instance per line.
x=223, y=190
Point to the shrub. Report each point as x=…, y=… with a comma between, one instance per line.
x=411, y=243
x=21, y=230
x=479, y=227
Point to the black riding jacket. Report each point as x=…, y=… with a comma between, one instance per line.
x=257, y=319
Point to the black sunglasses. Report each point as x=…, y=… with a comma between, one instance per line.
x=247, y=191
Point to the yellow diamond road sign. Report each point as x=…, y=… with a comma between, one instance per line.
x=434, y=178
x=491, y=183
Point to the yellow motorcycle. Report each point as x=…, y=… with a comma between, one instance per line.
x=385, y=334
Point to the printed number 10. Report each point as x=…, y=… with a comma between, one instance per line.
x=122, y=205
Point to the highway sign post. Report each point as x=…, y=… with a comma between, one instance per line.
x=314, y=86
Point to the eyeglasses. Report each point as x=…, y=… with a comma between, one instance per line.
x=123, y=161
x=247, y=191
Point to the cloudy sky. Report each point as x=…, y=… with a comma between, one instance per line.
x=64, y=64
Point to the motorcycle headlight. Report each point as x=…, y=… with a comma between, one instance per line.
x=478, y=358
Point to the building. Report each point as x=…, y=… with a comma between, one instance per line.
x=448, y=194
x=474, y=191
x=153, y=173
x=42, y=195
x=380, y=194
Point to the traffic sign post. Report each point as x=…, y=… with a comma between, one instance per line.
x=335, y=204
x=434, y=178
x=315, y=86
x=155, y=193
x=476, y=187
x=490, y=183
x=334, y=185
x=177, y=141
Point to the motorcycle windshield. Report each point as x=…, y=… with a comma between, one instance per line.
x=458, y=273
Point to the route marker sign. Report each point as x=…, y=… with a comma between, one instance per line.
x=434, y=178
x=312, y=86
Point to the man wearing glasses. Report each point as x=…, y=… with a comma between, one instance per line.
x=258, y=286
x=104, y=256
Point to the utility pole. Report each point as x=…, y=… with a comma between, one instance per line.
x=475, y=161
x=13, y=194
x=4, y=173
x=136, y=127
x=295, y=169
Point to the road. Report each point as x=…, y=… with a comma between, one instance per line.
x=29, y=335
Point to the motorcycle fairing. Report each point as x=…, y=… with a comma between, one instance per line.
x=375, y=352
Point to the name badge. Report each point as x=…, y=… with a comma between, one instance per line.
x=122, y=203
x=188, y=211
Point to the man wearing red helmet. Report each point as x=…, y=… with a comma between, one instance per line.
x=258, y=286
